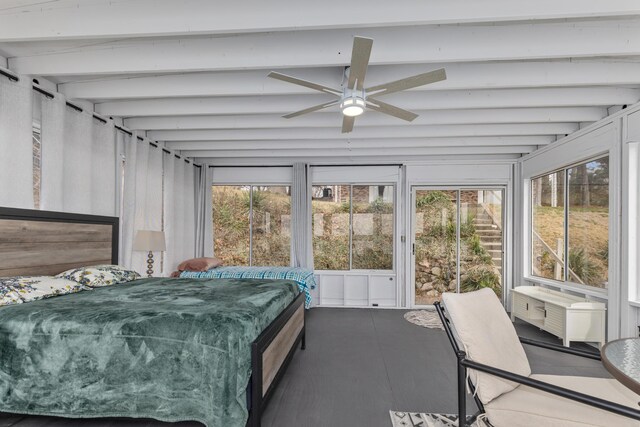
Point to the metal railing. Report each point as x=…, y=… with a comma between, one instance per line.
x=558, y=259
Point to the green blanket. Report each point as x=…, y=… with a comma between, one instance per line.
x=169, y=349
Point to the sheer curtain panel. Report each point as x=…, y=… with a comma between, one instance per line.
x=128, y=210
x=170, y=259
x=189, y=249
x=79, y=160
x=142, y=199
x=16, y=144
x=204, y=214
x=104, y=170
x=179, y=213
x=301, y=243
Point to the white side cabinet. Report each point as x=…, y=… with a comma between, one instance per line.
x=356, y=289
x=566, y=316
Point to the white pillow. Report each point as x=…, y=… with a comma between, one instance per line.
x=488, y=337
x=32, y=288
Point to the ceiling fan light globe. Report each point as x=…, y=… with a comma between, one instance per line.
x=353, y=106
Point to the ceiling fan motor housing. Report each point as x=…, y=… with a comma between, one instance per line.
x=353, y=102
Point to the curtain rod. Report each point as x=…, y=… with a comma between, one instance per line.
x=37, y=88
x=290, y=166
x=9, y=76
x=250, y=166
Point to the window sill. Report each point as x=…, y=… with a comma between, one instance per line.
x=634, y=304
x=580, y=289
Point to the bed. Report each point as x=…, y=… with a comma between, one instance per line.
x=209, y=350
x=302, y=276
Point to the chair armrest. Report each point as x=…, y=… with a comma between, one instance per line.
x=555, y=347
x=596, y=402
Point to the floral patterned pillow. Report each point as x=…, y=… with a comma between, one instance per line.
x=97, y=276
x=8, y=294
x=14, y=290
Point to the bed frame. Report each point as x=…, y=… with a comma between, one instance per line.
x=34, y=242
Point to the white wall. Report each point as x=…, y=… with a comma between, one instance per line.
x=611, y=136
x=252, y=175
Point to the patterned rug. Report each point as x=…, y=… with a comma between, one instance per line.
x=425, y=318
x=414, y=419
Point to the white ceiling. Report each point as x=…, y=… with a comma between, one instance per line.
x=193, y=73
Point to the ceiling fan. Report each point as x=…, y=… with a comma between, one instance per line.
x=354, y=98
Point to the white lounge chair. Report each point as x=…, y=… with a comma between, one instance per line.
x=488, y=348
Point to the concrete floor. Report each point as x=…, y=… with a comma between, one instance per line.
x=358, y=365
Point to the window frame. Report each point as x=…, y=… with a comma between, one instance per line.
x=270, y=184
x=566, y=283
x=394, y=225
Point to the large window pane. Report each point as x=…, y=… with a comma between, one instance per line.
x=547, y=237
x=586, y=232
x=331, y=205
x=271, y=226
x=435, y=244
x=231, y=223
x=372, y=239
x=589, y=223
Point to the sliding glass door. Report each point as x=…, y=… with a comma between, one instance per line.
x=457, y=241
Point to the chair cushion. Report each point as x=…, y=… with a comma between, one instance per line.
x=488, y=337
x=526, y=406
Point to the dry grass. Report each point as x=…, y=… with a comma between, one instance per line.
x=588, y=231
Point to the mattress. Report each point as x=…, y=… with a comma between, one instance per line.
x=169, y=349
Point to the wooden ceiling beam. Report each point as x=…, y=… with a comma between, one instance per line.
x=27, y=20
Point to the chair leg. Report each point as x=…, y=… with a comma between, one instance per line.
x=462, y=395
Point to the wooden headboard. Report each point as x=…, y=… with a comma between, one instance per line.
x=34, y=242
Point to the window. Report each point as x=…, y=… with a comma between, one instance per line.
x=570, y=224
x=353, y=227
x=251, y=224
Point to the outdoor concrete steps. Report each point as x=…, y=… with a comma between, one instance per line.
x=490, y=237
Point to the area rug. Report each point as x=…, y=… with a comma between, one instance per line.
x=415, y=419
x=424, y=318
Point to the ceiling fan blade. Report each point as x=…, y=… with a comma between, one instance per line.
x=391, y=110
x=408, y=83
x=359, y=62
x=310, y=85
x=311, y=109
x=347, y=123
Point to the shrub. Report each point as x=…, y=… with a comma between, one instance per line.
x=433, y=198
x=481, y=276
x=583, y=266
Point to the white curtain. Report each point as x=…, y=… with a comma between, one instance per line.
x=16, y=143
x=142, y=209
x=104, y=168
x=204, y=214
x=190, y=174
x=128, y=210
x=301, y=233
x=180, y=215
x=170, y=259
x=78, y=160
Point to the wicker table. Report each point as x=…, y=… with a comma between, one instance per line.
x=622, y=359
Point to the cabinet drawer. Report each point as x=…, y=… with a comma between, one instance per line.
x=554, y=319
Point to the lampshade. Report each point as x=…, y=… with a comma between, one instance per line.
x=147, y=240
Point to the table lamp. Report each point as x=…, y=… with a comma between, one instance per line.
x=147, y=240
